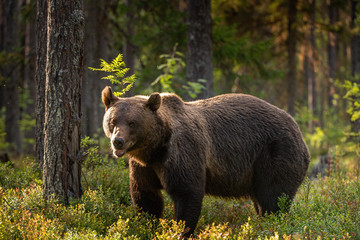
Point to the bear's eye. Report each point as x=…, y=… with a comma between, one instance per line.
x=131, y=124
x=111, y=127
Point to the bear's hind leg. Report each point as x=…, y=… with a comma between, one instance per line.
x=276, y=173
x=267, y=194
x=266, y=200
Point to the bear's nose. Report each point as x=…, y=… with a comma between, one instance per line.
x=118, y=143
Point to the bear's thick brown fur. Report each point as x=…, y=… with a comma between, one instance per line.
x=232, y=145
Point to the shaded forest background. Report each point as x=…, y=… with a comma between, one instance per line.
x=296, y=54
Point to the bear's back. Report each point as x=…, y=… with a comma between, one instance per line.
x=229, y=114
x=243, y=131
x=244, y=114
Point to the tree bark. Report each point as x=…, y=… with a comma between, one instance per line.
x=291, y=49
x=61, y=170
x=199, y=45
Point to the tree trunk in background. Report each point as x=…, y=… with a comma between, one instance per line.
x=96, y=49
x=333, y=14
x=291, y=49
x=306, y=73
x=64, y=65
x=312, y=91
x=199, y=45
x=40, y=76
x=129, y=50
x=355, y=43
x=355, y=56
x=2, y=39
x=12, y=74
x=29, y=72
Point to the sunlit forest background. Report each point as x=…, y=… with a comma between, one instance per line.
x=300, y=55
x=251, y=54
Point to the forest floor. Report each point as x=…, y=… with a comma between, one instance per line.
x=325, y=208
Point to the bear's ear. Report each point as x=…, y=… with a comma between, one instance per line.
x=108, y=97
x=154, y=102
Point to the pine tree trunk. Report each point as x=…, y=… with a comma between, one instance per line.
x=291, y=49
x=61, y=170
x=199, y=45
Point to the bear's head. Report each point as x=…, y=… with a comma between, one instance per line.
x=132, y=123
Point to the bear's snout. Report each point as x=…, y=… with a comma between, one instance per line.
x=118, y=143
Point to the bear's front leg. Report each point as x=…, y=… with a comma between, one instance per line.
x=145, y=189
x=187, y=209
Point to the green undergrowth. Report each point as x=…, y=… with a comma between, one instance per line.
x=327, y=208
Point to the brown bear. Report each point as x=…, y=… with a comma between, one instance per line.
x=232, y=145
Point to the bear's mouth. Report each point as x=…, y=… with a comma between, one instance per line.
x=122, y=151
x=119, y=153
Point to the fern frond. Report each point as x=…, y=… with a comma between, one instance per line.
x=117, y=72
